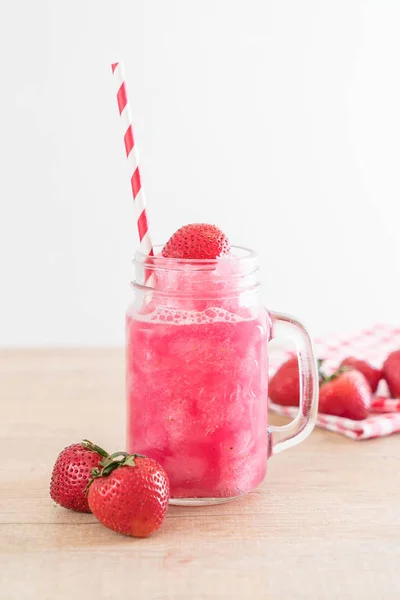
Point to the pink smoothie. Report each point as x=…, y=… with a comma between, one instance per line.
x=197, y=397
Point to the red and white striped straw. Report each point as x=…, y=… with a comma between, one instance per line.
x=146, y=247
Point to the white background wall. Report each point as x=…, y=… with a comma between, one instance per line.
x=277, y=120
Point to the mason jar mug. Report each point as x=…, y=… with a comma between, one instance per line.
x=197, y=374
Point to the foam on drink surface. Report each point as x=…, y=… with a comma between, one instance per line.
x=172, y=316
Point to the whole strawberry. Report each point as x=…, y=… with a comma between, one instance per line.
x=346, y=394
x=197, y=240
x=372, y=375
x=391, y=372
x=284, y=386
x=71, y=474
x=129, y=494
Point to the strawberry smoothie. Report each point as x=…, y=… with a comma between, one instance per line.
x=197, y=389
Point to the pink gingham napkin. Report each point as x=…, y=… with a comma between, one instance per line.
x=372, y=345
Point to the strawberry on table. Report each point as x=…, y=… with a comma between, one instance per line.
x=284, y=386
x=346, y=393
x=391, y=372
x=372, y=375
x=129, y=494
x=71, y=474
x=198, y=240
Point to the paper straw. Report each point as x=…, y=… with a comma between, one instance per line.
x=146, y=246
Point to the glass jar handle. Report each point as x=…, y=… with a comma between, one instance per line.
x=295, y=432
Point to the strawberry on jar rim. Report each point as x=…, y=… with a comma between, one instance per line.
x=197, y=241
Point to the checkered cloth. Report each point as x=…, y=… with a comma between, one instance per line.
x=372, y=345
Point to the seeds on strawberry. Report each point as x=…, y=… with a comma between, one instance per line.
x=372, y=375
x=284, y=386
x=346, y=393
x=197, y=241
x=71, y=474
x=129, y=494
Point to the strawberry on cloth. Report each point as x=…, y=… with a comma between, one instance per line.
x=374, y=346
x=372, y=375
x=284, y=386
x=346, y=393
x=391, y=372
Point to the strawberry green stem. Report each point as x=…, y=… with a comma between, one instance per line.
x=111, y=462
x=324, y=378
x=88, y=445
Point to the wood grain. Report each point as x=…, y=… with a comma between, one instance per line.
x=325, y=524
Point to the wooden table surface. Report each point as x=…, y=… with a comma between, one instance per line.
x=324, y=524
